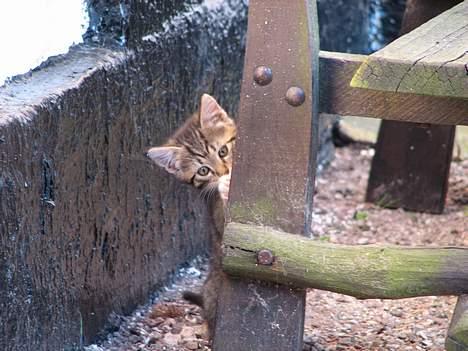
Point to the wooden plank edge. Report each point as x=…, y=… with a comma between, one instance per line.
x=339, y=98
x=409, y=77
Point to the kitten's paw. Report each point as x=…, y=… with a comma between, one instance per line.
x=223, y=187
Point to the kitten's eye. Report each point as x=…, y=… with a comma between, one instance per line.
x=203, y=171
x=223, y=151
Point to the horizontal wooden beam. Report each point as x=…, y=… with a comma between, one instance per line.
x=338, y=97
x=429, y=60
x=383, y=272
x=457, y=336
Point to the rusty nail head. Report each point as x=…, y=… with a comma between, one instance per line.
x=263, y=75
x=295, y=96
x=265, y=257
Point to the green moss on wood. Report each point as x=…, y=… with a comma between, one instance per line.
x=457, y=338
x=460, y=332
x=429, y=60
x=260, y=211
x=360, y=271
x=379, y=73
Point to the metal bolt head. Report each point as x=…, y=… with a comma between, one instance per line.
x=265, y=257
x=295, y=96
x=262, y=75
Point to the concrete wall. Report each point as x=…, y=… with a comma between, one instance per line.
x=87, y=225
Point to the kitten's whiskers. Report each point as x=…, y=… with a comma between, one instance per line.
x=209, y=191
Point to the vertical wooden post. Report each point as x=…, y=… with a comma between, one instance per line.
x=411, y=165
x=274, y=169
x=457, y=335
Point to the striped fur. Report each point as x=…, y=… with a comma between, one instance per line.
x=200, y=151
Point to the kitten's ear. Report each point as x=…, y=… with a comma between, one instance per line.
x=210, y=112
x=165, y=157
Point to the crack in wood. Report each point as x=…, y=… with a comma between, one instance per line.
x=436, y=71
x=409, y=70
x=240, y=248
x=414, y=63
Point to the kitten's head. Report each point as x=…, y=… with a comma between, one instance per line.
x=200, y=152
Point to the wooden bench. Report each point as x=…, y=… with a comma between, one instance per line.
x=430, y=60
x=413, y=159
x=274, y=170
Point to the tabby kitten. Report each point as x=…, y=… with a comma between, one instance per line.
x=200, y=153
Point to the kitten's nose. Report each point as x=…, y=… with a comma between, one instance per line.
x=222, y=170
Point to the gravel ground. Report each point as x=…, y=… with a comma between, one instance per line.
x=333, y=321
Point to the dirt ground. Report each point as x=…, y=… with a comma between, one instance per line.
x=333, y=321
x=346, y=323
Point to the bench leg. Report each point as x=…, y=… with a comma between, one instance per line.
x=411, y=165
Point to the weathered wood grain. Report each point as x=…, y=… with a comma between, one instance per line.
x=270, y=177
x=338, y=97
x=430, y=60
x=457, y=336
x=273, y=175
x=411, y=165
x=367, y=271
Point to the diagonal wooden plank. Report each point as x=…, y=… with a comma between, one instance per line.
x=273, y=175
x=411, y=165
x=432, y=59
